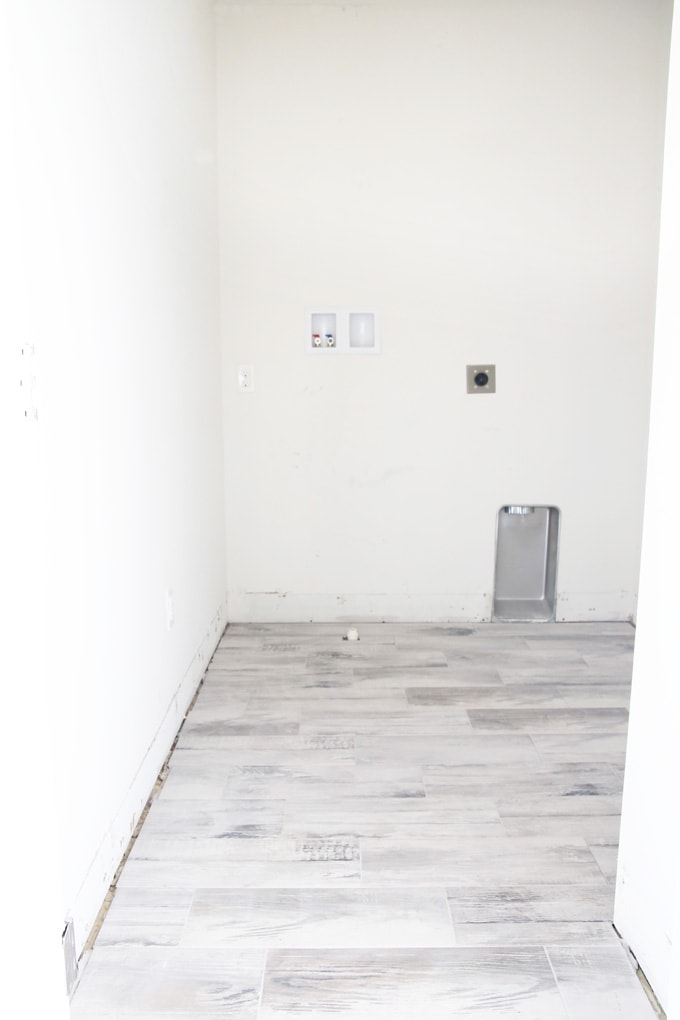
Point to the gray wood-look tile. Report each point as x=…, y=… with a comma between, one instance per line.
x=405, y=818
x=595, y=829
x=402, y=984
x=594, y=695
x=129, y=982
x=220, y=819
x=206, y=737
x=217, y=849
x=177, y=874
x=421, y=823
x=607, y=858
x=319, y=918
x=146, y=917
x=454, y=748
x=583, y=779
x=556, y=720
x=432, y=722
x=498, y=696
x=531, y=901
x=536, y=933
x=468, y=861
x=598, y=983
x=604, y=745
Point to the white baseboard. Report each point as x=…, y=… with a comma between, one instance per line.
x=88, y=902
x=597, y=607
x=275, y=607
x=465, y=607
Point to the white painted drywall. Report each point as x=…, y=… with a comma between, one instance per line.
x=486, y=176
x=648, y=884
x=117, y=153
x=30, y=853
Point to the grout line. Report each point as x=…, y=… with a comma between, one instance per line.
x=448, y=908
x=264, y=971
x=557, y=984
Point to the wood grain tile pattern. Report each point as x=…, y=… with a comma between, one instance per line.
x=424, y=822
x=147, y=982
x=319, y=918
x=530, y=901
x=598, y=983
x=401, y=984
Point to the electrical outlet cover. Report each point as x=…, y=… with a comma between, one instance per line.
x=246, y=378
x=481, y=378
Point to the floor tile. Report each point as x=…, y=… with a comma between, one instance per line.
x=219, y=819
x=146, y=917
x=404, y=818
x=498, y=696
x=180, y=874
x=599, y=984
x=603, y=745
x=155, y=982
x=536, y=933
x=472, y=861
x=556, y=720
x=531, y=902
x=421, y=823
x=319, y=918
x=595, y=829
x=253, y=850
x=400, y=985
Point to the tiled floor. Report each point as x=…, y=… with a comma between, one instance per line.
x=419, y=824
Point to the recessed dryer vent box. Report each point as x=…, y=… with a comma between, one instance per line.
x=342, y=332
x=526, y=563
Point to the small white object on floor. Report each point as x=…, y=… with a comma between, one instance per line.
x=352, y=634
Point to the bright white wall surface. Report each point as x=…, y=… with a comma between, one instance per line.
x=648, y=884
x=33, y=968
x=486, y=176
x=118, y=199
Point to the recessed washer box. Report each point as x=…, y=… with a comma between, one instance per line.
x=335, y=331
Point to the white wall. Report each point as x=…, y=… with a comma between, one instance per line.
x=115, y=146
x=30, y=849
x=648, y=883
x=487, y=176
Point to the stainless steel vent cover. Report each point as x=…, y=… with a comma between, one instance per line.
x=526, y=563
